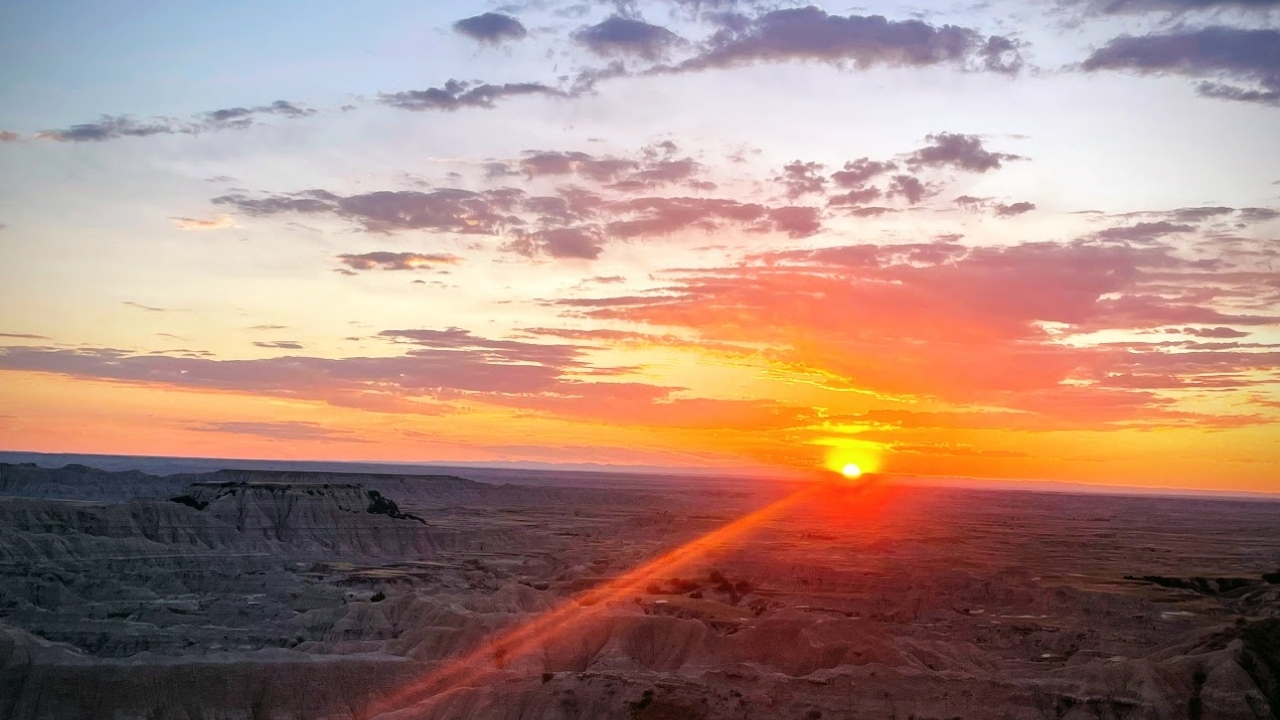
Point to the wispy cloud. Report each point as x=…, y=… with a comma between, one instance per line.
x=213, y=223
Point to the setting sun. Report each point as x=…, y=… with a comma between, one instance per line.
x=851, y=471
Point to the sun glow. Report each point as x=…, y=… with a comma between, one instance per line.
x=851, y=471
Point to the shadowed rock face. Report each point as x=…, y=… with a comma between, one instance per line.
x=313, y=595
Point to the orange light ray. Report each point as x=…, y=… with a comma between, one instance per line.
x=528, y=637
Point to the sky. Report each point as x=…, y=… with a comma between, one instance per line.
x=1015, y=240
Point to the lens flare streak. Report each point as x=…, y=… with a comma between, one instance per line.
x=505, y=648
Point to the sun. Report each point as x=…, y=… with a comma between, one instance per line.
x=851, y=471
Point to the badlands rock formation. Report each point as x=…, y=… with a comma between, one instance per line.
x=277, y=594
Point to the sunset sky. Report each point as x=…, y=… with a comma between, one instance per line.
x=1027, y=240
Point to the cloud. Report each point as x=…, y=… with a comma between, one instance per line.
x=968, y=324
x=241, y=117
x=269, y=327
x=573, y=223
x=1198, y=214
x=654, y=166
x=113, y=127
x=8, y=136
x=810, y=34
x=1118, y=7
x=1220, y=333
x=280, y=344
x=451, y=210
x=437, y=361
x=383, y=260
x=1258, y=214
x=857, y=172
x=802, y=178
x=1248, y=56
x=491, y=28
x=964, y=152
x=907, y=187
x=569, y=242
x=795, y=221
x=874, y=211
x=458, y=94
x=619, y=35
x=1013, y=209
x=855, y=197
x=658, y=216
x=214, y=223
x=1143, y=231
x=24, y=336
x=972, y=202
x=140, y=306
x=606, y=169
x=280, y=430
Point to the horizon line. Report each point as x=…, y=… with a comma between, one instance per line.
x=744, y=472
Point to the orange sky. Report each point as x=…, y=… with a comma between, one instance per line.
x=962, y=244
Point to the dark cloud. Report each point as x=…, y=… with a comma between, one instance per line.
x=569, y=242
x=112, y=127
x=438, y=360
x=796, y=222
x=574, y=222
x=1198, y=214
x=1221, y=333
x=584, y=83
x=662, y=172
x=1017, y=208
x=856, y=173
x=972, y=202
x=658, y=216
x=452, y=210
x=397, y=260
x=496, y=170
x=491, y=28
x=873, y=211
x=279, y=344
x=1249, y=56
x=855, y=197
x=619, y=35
x=1258, y=214
x=456, y=339
x=603, y=169
x=908, y=188
x=655, y=165
x=857, y=41
x=458, y=94
x=1143, y=231
x=964, y=152
x=802, y=178
x=239, y=117
x=279, y=430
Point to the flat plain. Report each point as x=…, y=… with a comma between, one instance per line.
x=521, y=594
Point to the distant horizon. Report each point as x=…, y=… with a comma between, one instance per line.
x=742, y=473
